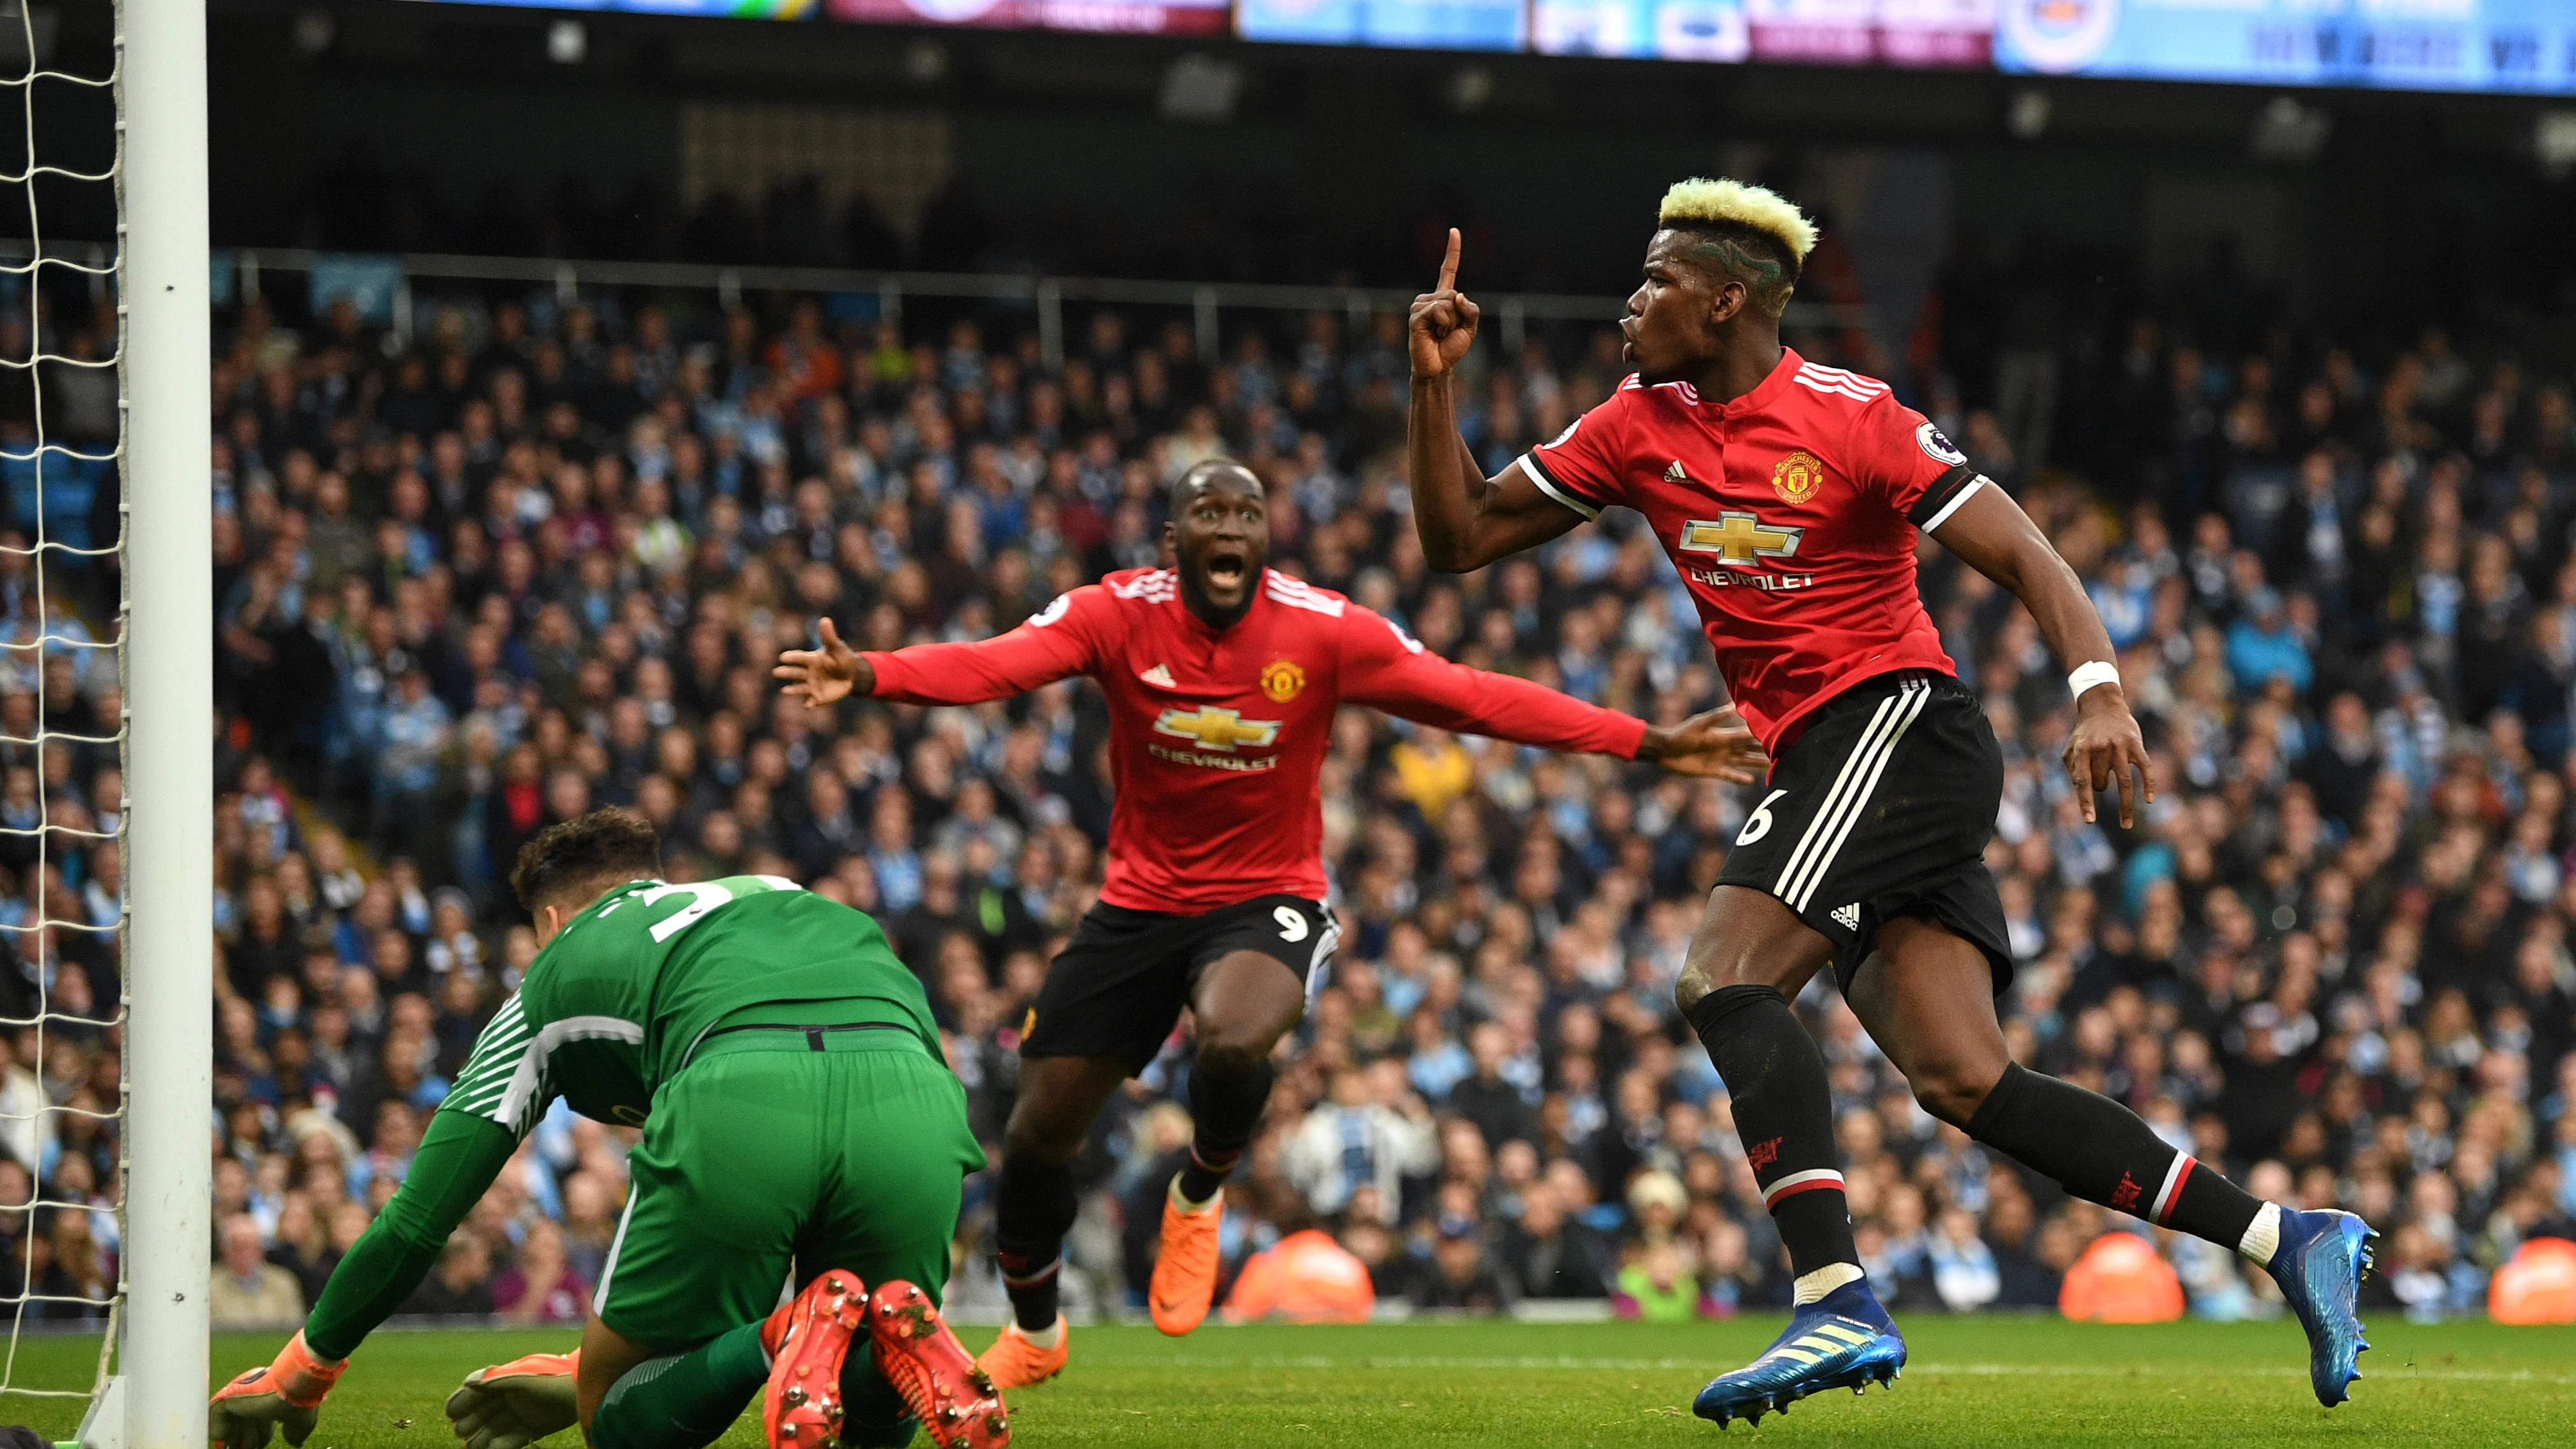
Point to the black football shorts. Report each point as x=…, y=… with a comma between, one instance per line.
x=1117, y=988
x=1881, y=808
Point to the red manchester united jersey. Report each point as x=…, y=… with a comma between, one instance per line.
x=1217, y=739
x=1791, y=512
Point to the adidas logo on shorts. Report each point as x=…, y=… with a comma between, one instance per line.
x=1848, y=917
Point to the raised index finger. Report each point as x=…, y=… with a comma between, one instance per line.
x=1449, y=264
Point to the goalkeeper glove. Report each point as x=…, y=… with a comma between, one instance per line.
x=512, y=1405
x=285, y=1395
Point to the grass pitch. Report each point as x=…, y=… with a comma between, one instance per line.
x=1983, y=1383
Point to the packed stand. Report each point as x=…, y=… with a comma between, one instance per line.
x=540, y=561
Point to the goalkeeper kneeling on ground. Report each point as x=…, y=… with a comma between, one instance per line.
x=797, y=1115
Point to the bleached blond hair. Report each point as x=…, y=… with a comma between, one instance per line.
x=1728, y=206
x=1728, y=200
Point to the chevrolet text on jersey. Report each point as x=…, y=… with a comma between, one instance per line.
x=1791, y=513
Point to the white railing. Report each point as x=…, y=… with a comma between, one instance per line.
x=1046, y=295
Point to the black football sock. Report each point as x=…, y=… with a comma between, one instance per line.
x=1033, y=1208
x=1784, y=1114
x=2102, y=1152
x=1226, y=1101
x=684, y=1400
x=1199, y=1178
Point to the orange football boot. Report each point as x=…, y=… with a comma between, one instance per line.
x=801, y=1409
x=1015, y=1363
x=939, y=1382
x=1185, y=1272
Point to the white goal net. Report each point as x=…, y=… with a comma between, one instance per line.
x=104, y=486
x=62, y=745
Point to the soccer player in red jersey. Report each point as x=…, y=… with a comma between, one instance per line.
x=1790, y=496
x=1222, y=678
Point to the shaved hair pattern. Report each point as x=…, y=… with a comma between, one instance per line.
x=1749, y=233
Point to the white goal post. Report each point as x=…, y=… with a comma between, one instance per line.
x=161, y=1361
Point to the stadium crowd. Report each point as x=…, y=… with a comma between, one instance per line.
x=541, y=559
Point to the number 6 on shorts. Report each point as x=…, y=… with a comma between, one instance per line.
x=1758, y=824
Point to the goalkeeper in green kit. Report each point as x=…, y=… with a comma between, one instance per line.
x=797, y=1115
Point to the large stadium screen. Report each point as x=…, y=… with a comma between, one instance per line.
x=1144, y=17
x=1139, y=17
x=1668, y=29
x=1832, y=32
x=1871, y=32
x=2474, y=45
x=1415, y=24
x=2465, y=45
x=739, y=9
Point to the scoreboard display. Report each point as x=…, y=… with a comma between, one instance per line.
x=2462, y=45
x=1136, y=17
x=2458, y=45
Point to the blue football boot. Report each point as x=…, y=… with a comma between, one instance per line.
x=1846, y=1341
x=2319, y=1265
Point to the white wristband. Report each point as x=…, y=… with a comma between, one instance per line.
x=2087, y=675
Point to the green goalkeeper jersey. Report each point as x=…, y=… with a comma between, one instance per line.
x=625, y=991
x=610, y=1010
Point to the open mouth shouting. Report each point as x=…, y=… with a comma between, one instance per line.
x=1228, y=568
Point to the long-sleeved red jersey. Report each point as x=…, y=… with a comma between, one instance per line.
x=1217, y=739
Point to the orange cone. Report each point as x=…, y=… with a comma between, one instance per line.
x=2120, y=1279
x=2536, y=1285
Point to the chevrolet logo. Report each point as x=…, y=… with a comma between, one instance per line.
x=1740, y=538
x=1217, y=729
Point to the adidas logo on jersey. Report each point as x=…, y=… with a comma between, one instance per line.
x=1159, y=676
x=1848, y=917
x=1674, y=474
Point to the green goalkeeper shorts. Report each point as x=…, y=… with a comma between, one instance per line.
x=764, y=1154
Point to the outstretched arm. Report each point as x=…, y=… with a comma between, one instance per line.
x=1465, y=519
x=1050, y=647
x=1991, y=533
x=459, y=1157
x=1385, y=670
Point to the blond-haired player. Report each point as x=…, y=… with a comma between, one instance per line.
x=1790, y=496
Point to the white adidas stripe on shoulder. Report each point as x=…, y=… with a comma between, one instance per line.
x=1298, y=594
x=1852, y=380
x=1155, y=588
x=1845, y=382
x=1821, y=370
x=1308, y=602
x=1841, y=375
x=1838, y=390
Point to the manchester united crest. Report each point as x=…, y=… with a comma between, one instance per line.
x=1797, y=477
x=1283, y=680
